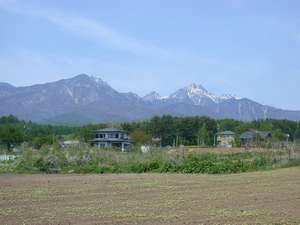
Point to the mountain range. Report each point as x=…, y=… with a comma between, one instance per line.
x=87, y=99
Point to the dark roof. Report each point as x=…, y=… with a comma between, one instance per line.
x=227, y=132
x=111, y=129
x=247, y=135
x=251, y=134
x=264, y=134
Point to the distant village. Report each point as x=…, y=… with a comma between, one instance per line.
x=117, y=138
x=158, y=132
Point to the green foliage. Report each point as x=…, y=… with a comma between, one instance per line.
x=39, y=141
x=169, y=129
x=179, y=130
x=9, y=120
x=203, y=135
x=138, y=136
x=297, y=132
x=228, y=124
x=278, y=135
x=85, y=133
x=27, y=160
x=49, y=159
x=10, y=135
x=83, y=159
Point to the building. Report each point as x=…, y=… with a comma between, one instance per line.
x=225, y=139
x=111, y=138
x=145, y=148
x=69, y=143
x=250, y=137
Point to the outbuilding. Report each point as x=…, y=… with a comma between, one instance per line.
x=225, y=139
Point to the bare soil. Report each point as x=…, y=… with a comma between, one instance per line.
x=269, y=197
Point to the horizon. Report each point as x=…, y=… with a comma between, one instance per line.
x=98, y=77
x=238, y=47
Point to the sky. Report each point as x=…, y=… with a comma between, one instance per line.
x=248, y=48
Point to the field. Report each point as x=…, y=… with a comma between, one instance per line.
x=268, y=197
x=223, y=150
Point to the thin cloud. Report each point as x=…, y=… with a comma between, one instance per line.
x=89, y=29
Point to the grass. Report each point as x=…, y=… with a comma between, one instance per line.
x=83, y=159
x=265, y=197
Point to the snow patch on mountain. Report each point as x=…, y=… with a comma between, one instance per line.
x=198, y=94
x=96, y=101
x=194, y=92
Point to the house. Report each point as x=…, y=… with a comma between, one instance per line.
x=225, y=139
x=111, y=138
x=251, y=136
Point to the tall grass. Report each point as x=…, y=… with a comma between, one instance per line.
x=83, y=159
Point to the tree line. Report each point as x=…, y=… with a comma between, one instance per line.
x=14, y=132
x=163, y=130
x=202, y=130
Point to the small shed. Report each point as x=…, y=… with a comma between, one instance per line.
x=68, y=143
x=225, y=139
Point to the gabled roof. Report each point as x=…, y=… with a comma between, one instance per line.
x=227, y=132
x=251, y=134
x=264, y=134
x=247, y=135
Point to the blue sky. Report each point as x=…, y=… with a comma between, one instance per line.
x=247, y=48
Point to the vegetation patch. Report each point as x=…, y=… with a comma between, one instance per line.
x=84, y=159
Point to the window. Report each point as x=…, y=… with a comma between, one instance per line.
x=100, y=136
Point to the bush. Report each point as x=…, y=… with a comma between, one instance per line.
x=83, y=159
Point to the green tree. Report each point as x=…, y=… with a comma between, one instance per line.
x=38, y=142
x=203, y=135
x=138, y=136
x=10, y=135
x=278, y=135
x=9, y=120
x=85, y=132
x=297, y=132
x=228, y=124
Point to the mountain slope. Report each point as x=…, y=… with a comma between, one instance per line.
x=86, y=99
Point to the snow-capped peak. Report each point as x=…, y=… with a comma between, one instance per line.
x=194, y=93
x=195, y=90
x=198, y=95
x=152, y=96
x=191, y=91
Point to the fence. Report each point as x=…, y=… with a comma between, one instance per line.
x=7, y=157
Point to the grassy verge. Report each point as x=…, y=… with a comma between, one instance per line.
x=83, y=159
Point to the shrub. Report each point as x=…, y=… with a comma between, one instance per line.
x=83, y=159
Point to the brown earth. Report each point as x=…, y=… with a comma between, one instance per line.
x=270, y=197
